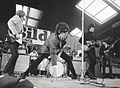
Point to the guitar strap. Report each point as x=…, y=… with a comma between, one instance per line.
x=9, y=31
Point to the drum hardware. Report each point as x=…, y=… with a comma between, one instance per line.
x=61, y=68
x=3, y=49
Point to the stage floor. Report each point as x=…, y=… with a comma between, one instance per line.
x=42, y=82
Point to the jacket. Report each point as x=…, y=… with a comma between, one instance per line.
x=15, y=25
x=53, y=45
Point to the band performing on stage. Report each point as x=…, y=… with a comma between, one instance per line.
x=53, y=54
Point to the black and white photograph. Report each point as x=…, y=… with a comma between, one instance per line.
x=59, y=43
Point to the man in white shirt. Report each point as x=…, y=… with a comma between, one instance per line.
x=15, y=25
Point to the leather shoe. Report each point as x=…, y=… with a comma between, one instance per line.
x=93, y=78
x=74, y=77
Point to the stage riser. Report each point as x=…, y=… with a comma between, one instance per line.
x=24, y=61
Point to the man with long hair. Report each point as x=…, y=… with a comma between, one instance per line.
x=52, y=47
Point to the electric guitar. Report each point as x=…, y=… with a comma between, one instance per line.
x=89, y=45
x=13, y=38
x=110, y=47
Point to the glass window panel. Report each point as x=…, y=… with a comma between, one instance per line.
x=96, y=7
x=75, y=31
x=116, y=3
x=34, y=13
x=93, y=17
x=98, y=10
x=18, y=7
x=87, y=3
x=25, y=9
x=32, y=22
x=106, y=14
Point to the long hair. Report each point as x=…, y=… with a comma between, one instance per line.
x=61, y=27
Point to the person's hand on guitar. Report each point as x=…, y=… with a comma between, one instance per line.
x=89, y=45
x=105, y=44
x=17, y=36
x=89, y=42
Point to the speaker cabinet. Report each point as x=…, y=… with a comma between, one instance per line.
x=77, y=66
x=21, y=65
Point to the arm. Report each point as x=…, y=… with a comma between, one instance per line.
x=12, y=23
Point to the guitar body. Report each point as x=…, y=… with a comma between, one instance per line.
x=19, y=40
x=89, y=45
x=12, y=38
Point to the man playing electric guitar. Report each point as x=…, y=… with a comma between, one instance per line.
x=52, y=47
x=15, y=26
x=90, y=43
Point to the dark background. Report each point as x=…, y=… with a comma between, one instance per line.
x=55, y=11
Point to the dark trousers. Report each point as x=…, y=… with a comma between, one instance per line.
x=12, y=61
x=68, y=70
x=92, y=62
x=35, y=64
x=106, y=60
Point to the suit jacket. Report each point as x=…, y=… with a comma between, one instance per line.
x=53, y=45
x=89, y=36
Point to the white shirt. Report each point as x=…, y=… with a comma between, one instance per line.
x=15, y=24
